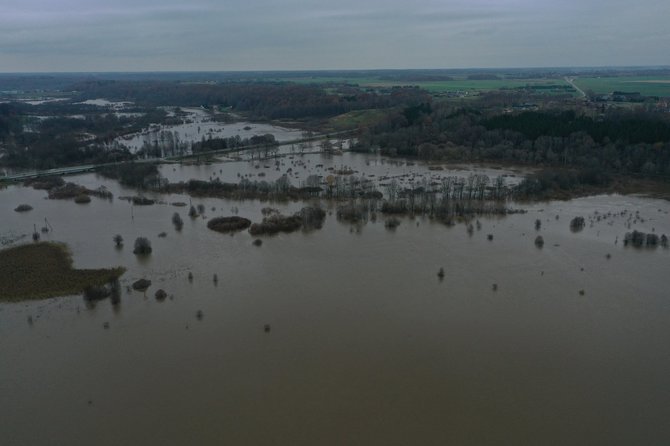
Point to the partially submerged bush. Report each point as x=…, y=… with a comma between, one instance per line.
x=577, y=224
x=353, y=213
x=639, y=239
x=539, y=241
x=115, y=290
x=118, y=240
x=142, y=246
x=228, y=224
x=23, y=208
x=312, y=217
x=177, y=221
x=269, y=211
x=72, y=190
x=133, y=174
x=309, y=217
x=651, y=240
x=276, y=223
x=391, y=223
x=45, y=183
x=82, y=199
x=67, y=191
x=142, y=201
x=142, y=284
x=94, y=293
x=635, y=238
x=160, y=294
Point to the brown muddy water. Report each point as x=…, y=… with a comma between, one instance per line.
x=366, y=345
x=297, y=167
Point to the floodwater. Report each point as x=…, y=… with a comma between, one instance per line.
x=366, y=345
x=298, y=166
x=198, y=124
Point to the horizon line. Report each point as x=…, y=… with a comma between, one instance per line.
x=318, y=70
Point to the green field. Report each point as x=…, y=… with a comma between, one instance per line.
x=646, y=85
x=353, y=119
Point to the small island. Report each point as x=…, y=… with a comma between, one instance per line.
x=43, y=270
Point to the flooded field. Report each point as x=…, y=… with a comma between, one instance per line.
x=297, y=167
x=197, y=125
x=344, y=335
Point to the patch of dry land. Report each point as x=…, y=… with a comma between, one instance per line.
x=42, y=270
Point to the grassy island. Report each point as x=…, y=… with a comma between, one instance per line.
x=42, y=270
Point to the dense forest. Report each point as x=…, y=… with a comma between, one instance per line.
x=631, y=129
x=615, y=142
x=10, y=122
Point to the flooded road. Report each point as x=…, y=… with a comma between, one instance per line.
x=365, y=346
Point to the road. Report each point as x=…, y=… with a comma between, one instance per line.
x=92, y=167
x=571, y=81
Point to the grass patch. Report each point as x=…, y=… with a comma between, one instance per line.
x=43, y=270
x=645, y=85
x=354, y=119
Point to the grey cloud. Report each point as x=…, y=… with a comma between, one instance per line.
x=71, y=35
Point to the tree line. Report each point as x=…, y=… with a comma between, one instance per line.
x=259, y=100
x=615, y=142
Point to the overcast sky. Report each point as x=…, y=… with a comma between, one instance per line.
x=191, y=35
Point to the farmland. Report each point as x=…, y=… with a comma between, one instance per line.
x=658, y=85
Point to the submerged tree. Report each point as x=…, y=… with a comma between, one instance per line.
x=142, y=246
x=177, y=221
x=577, y=224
